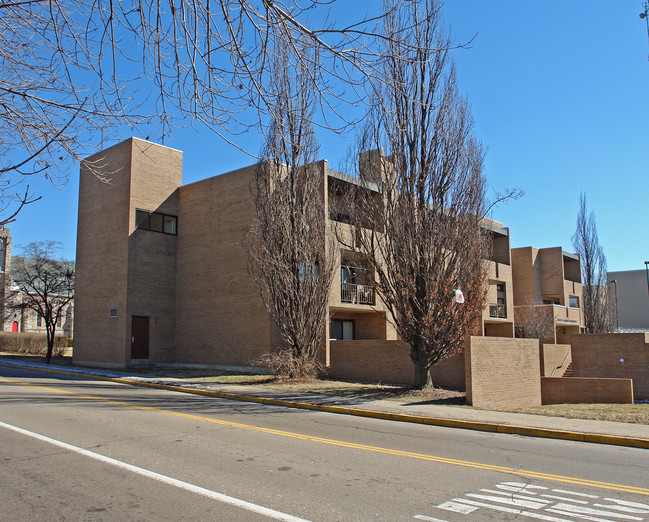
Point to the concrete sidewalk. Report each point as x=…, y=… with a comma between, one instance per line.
x=606, y=432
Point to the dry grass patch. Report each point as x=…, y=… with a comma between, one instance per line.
x=633, y=413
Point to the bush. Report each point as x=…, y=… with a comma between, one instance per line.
x=285, y=365
x=30, y=343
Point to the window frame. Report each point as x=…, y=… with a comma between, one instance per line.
x=146, y=223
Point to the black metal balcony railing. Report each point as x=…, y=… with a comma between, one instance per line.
x=357, y=294
x=498, y=311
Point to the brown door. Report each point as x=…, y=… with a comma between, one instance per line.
x=140, y=337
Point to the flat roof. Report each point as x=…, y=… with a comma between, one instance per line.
x=354, y=181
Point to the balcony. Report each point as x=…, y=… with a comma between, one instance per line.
x=498, y=311
x=357, y=294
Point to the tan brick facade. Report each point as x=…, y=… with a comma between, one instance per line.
x=624, y=356
x=502, y=372
x=584, y=390
x=371, y=361
x=121, y=271
x=548, y=279
x=191, y=296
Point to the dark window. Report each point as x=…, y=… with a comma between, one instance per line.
x=39, y=319
x=142, y=219
x=341, y=330
x=156, y=222
x=574, y=302
x=169, y=226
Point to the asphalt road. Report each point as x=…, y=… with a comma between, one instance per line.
x=76, y=449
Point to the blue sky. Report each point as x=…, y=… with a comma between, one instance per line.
x=559, y=96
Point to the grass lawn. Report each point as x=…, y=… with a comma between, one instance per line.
x=633, y=413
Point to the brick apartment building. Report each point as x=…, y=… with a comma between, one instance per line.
x=162, y=274
x=549, y=280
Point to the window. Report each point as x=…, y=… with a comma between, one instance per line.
x=156, y=222
x=58, y=323
x=39, y=319
x=341, y=330
x=574, y=302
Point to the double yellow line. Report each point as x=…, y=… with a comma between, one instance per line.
x=351, y=445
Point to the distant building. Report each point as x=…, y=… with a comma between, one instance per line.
x=27, y=320
x=632, y=298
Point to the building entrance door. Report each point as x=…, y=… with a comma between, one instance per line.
x=140, y=337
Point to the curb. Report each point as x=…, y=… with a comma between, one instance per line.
x=615, y=440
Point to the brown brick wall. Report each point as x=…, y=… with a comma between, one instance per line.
x=371, y=361
x=502, y=372
x=220, y=317
x=450, y=373
x=102, y=260
x=118, y=266
x=367, y=326
x=599, y=355
x=585, y=390
x=552, y=356
x=156, y=174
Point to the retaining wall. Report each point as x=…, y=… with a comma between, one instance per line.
x=585, y=390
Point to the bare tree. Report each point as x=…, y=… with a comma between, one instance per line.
x=423, y=236
x=71, y=70
x=536, y=321
x=288, y=254
x=42, y=284
x=51, y=106
x=597, y=313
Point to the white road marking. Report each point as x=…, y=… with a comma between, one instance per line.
x=457, y=508
x=570, y=504
x=530, y=514
x=271, y=513
x=565, y=491
x=514, y=495
x=566, y=499
x=582, y=517
x=520, y=487
x=571, y=508
x=510, y=501
x=429, y=519
x=625, y=505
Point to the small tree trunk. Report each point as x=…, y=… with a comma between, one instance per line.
x=50, y=346
x=423, y=380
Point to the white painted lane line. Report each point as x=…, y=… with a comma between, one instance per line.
x=625, y=505
x=570, y=508
x=514, y=495
x=510, y=501
x=566, y=492
x=504, y=509
x=457, y=507
x=566, y=499
x=582, y=517
x=429, y=519
x=520, y=487
x=249, y=506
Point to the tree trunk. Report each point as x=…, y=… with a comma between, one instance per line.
x=50, y=346
x=423, y=380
